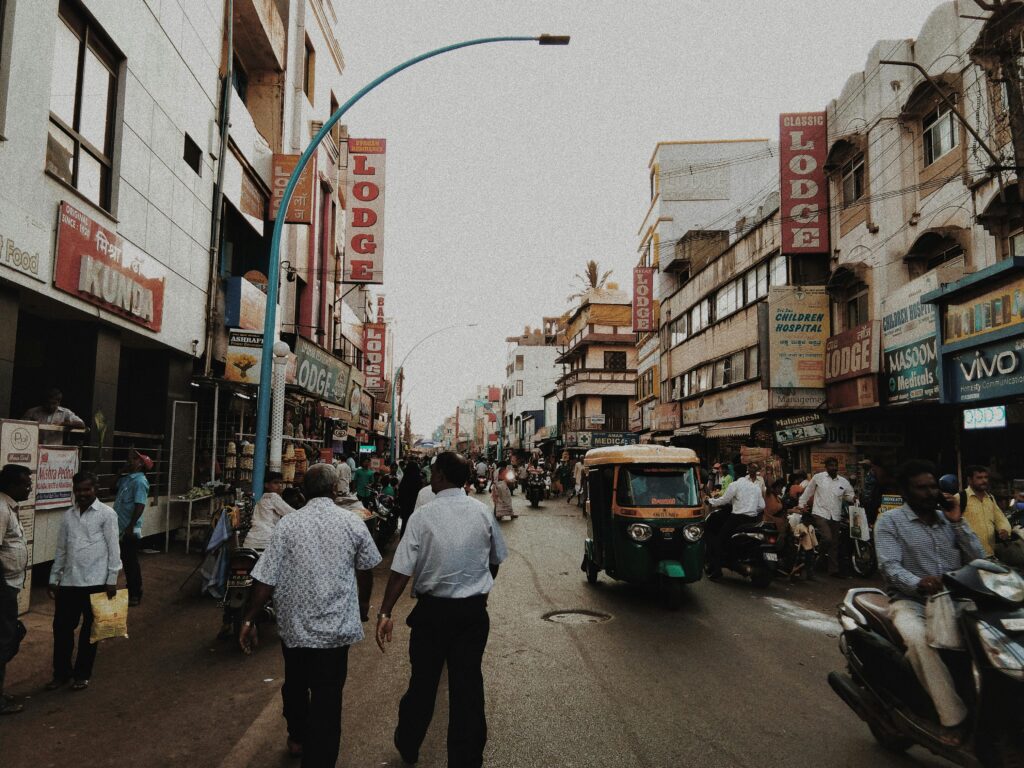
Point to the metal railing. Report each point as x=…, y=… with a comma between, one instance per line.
x=599, y=376
x=105, y=460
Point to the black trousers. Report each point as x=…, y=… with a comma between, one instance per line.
x=719, y=541
x=313, y=682
x=8, y=626
x=452, y=632
x=130, y=561
x=73, y=606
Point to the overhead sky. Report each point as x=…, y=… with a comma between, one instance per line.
x=510, y=165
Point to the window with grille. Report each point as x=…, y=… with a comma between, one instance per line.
x=519, y=387
x=83, y=95
x=615, y=361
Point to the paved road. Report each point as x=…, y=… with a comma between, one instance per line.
x=736, y=677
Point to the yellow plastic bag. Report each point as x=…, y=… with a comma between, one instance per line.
x=109, y=617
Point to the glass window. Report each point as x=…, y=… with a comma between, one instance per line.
x=309, y=71
x=704, y=378
x=728, y=299
x=857, y=307
x=519, y=387
x=853, y=181
x=739, y=366
x=723, y=372
x=615, y=361
x=83, y=88
x=753, y=364
x=519, y=362
x=678, y=331
x=699, y=316
x=940, y=134
x=654, y=486
x=240, y=80
x=778, y=274
x=1017, y=244
x=686, y=378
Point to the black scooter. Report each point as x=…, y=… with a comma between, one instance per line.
x=751, y=551
x=238, y=594
x=535, y=489
x=480, y=483
x=883, y=690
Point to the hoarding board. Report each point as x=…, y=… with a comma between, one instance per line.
x=803, y=149
x=643, y=300
x=798, y=326
x=909, y=346
x=364, y=231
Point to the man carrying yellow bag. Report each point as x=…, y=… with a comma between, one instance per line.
x=87, y=561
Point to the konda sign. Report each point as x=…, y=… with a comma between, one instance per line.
x=803, y=144
x=374, y=340
x=364, y=255
x=643, y=299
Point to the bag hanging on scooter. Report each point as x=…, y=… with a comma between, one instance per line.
x=859, y=528
x=941, y=629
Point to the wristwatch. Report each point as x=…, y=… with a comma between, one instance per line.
x=382, y=615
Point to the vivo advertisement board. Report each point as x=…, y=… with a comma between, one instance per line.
x=987, y=372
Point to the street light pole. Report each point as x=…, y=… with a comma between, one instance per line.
x=274, y=259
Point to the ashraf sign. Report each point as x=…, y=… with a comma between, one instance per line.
x=374, y=340
x=803, y=147
x=97, y=266
x=643, y=300
x=364, y=253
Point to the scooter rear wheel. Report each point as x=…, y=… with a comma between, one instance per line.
x=888, y=740
x=591, y=569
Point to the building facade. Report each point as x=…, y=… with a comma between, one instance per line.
x=530, y=372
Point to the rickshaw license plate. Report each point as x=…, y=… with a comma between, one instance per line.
x=771, y=557
x=1013, y=625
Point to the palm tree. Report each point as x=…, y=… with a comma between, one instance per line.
x=589, y=280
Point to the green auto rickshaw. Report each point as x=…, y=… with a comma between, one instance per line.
x=645, y=519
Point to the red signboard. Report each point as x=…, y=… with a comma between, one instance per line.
x=803, y=145
x=374, y=340
x=364, y=254
x=300, y=206
x=96, y=265
x=853, y=353
x=643, y=300
x=852, y=394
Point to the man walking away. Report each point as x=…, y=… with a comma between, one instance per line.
x=87, y=561
x=344, y=478
x=362, y=478
x=747, y=501
x=318, y=570
x=981, y=511
x=451, y=552
x=129, y=504
x=916, y=544
x=15, y=487
x=826, y=493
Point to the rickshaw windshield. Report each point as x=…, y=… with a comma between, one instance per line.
x=657, y=486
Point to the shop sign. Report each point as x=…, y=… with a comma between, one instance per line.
x=803, y=148
x=996, y=309
x=374, y=349
x=852, y=394
x=799, y=430
x=890, y=501
x=365, y=410
x=992, y=417
x=57, y=465
x=245, y=351
x=795, y=398
x=380, y=308
x=364, y=187
x=741, y=402
x=300, y=206
x=643, y=299
x=909, y=346
x=853, y=353
x=846, y=455
x=991, y=371
x=878, y=434
x=797, y=330
x=15, y=255
x=666, y=417
x=245, y=305
x=583, y=440
x=596, y=420
x=570, y=439
x=606, y=439
x=97, y=266
x=319, y=372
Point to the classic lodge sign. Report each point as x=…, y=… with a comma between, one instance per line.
x=94, y=264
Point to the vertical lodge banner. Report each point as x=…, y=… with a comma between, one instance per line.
x=643, y=300
x=374, y=340
x=803, y=146
x=798, y=328
x=364, y=195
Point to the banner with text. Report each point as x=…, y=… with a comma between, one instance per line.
x=57, y=465
x=374, y=341
x=909, y=345
x=803, y=147
x=300, y=206
x=364, y=193
x=797, y=329
x=643, y=300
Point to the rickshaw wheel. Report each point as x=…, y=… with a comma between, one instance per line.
x=672, y=592
x=591, y=569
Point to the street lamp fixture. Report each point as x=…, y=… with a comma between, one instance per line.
x=274, y=258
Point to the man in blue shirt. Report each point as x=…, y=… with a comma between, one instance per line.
x=132, y=494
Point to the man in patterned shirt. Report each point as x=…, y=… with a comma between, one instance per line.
x=916, y=544
x=318, y=570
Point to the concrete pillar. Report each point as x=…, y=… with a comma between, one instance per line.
x=104, y=385
x=8, y=339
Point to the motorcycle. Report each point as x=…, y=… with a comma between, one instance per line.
x=882, y=689
x=535, y=489
x=384, y=509
x=751, y=551
x=480, y=483
x=238, y=595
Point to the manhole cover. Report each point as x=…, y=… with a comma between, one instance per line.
x=576, y=617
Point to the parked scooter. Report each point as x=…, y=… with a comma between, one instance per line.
x=883, y=690
x=238, y=595
x=480, y=483
x=751, y=551
x=385, y=512
x=535, y=489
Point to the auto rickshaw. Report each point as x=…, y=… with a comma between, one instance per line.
x=644, y=516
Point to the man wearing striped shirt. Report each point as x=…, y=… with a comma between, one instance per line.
x=916, y=544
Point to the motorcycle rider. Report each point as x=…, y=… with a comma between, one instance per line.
x=747, y=500
x=916, y=544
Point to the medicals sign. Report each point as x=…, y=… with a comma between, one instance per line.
x=803, y=148
x=364, y=230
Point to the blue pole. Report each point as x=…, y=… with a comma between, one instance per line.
x=273, y=267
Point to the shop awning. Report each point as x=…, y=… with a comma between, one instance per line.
x=688, y=431
x=738, y=428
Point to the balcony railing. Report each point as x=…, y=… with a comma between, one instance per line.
x=598, y=376
x=586, y=424
x=586, y=336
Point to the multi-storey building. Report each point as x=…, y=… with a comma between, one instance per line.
x=530, y=372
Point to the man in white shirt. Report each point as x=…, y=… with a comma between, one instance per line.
x=451, y=552
x=268, y=512
x=87, y=560
x=827, y=492
x=53, y=412
x=15, y=487
x=344, y=477
x=747, y=499
x=425, y=496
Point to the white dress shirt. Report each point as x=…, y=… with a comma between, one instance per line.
x=449, y=547
x=344, y=478
x=265, y=517
x=745, y=495
x=13, y=548
x=425, y=496
x=88, y=552
x=828, y=494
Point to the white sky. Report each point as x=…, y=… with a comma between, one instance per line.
x=510, y=165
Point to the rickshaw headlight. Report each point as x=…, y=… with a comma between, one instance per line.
x=693, y=533
x=639, y=532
